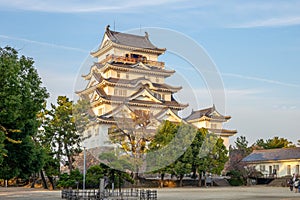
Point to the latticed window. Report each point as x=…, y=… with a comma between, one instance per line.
x=115, y=91
x=262, y=168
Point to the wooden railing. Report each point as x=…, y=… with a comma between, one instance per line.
x=130, y=60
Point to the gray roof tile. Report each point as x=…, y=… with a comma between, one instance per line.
x=131, y=40
x=273, y=155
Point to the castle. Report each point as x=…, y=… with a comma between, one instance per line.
x=128, y=78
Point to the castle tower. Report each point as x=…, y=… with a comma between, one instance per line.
x=128, y=77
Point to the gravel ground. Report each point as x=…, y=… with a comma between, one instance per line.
x=214, y=193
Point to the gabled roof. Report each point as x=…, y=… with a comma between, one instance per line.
x=168, y=114
x=210, y=112
x=130, y=39
x=145, y=95
x=273, y=155
x=126, y=41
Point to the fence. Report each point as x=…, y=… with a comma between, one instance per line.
x=129, y=194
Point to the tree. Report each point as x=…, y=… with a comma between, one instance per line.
x=60, y=131
x=196, y=148
x=21, y=98
x=166, y=132
x=182, y=166
x=273, y=143
x=114, y=167
x=213, y=154
x=131, y=135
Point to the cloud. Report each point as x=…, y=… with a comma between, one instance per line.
x=270, y=81
x=44, y=43
x=80, y=6
x=272, y=22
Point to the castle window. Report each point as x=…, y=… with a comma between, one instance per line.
x=115, y=91
x=100, y=111
x=157, y=95
x=156, y=79
x=118, y=74
x=297, y=169
x=122, y=92
x=127, y=76
x=213, y=126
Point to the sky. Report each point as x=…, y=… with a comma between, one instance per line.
x=255, y=46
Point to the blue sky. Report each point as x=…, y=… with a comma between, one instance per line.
x=254, y=44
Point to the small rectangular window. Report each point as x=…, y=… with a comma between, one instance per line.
x=288, y=170
x=297, y=169
x=100, y=111
x=118, y=74
x=213, y=126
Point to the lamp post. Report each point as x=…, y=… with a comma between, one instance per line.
x=83, y=183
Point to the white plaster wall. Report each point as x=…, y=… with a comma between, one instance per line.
x=99, y=136
x=283, y=166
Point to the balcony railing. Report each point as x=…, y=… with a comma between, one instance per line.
x=130, y=60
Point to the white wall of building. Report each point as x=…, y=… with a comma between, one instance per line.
x=283, y=168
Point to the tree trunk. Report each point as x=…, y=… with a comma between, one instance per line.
x=44, y=180
x=33, y=181
x=52, y=182
x=162, y=176
x=199, y=184
x=119, y=184
x=180, y=181
x=69, y=157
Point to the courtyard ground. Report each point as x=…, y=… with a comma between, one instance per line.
x=213, y=193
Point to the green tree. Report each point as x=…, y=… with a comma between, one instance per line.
x=21, y=98
x=93, y=176
x=60, y=131
x=73, y=179
x=273, y=143
x=114, y=168
x=165, y=134
x=182, y=166
x=213, y=154
x=168, y=150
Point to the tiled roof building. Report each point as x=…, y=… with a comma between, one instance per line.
x=283, y=161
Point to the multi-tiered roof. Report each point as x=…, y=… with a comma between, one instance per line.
x=128, y=76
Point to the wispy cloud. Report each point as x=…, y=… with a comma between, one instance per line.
x=80, y=6
x=44, y=43
x=272, y=22
x=270, y=81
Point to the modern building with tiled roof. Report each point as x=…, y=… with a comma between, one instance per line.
x=128, y=79
x=282, y=162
